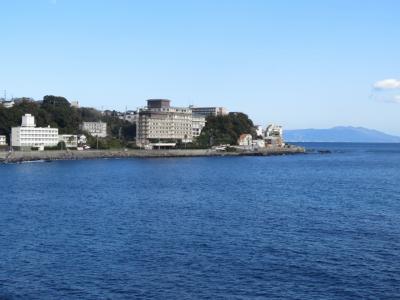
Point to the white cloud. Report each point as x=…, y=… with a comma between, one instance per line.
x=396, y=98
x=387, y=84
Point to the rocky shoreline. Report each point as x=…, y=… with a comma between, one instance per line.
x=24, y=156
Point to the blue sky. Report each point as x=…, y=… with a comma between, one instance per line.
x=298, y=63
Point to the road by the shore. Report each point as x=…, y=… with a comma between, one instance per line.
x=21, y=156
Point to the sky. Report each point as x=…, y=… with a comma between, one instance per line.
x=301, y=64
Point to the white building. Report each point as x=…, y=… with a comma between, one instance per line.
x=28, y=135
x=245, y=140
x=3, y=141
x=258, y=144
x=259, y=130
x=130, y=116
x=74, y=104
x=198, y=123
x=209, y=111
x=8, y=103
x=70, y=140
x=273, y=136
x=159, y=124
x=98, y=129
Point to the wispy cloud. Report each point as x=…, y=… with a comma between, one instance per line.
x=386, y=91
x=387, y=84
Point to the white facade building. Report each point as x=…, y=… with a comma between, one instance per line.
x=273, y=136
x=74, y=104
x=209, y=111
x=8, y=103
x=198, y=123
x=98, y=129
x=245, y=140
x=259, y=130
x=70, y=140
x=28, y=135
x=3, y=141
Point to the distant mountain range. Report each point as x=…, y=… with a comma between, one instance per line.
x=340, y=134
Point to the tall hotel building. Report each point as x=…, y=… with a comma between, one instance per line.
x=159, y=124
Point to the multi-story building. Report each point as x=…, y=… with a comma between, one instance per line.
x=159, y=124
x=98, y=129
x=209, y=111
x=273, y=135
x=28, y=135
x=198, y=123
x=70, y=140
x=3, y=140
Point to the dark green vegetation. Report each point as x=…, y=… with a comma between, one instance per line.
x=225, y=129
x=57, y=112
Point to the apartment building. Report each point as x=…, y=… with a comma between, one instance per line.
x=28, y=135
x=98, y=129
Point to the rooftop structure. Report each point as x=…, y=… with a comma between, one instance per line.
x=158, y=103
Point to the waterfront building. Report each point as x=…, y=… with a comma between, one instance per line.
x=245, y=140
x=3, y=140
x=259, y=130
x=198, y=123
x=258, y=144
x=160, y=125
x=273, y=136
x=70, y=140
x=28, y=135
x=209, y=111
x=97, y=129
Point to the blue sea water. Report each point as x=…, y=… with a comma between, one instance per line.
x=315, y=226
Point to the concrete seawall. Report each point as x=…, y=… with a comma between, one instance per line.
x=21, y=156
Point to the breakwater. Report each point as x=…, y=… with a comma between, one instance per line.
x=21, y=156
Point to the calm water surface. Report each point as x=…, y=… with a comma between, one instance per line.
x=317, y=226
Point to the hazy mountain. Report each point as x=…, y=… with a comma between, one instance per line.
x=340, y=134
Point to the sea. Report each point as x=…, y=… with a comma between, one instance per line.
x=314, y=226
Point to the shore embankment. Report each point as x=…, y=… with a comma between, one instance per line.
x=22, y=156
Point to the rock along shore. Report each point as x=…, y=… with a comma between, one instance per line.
x=23, y=156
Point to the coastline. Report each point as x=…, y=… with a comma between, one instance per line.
x=25, y=156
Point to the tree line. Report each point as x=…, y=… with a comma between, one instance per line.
x=57, y=112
